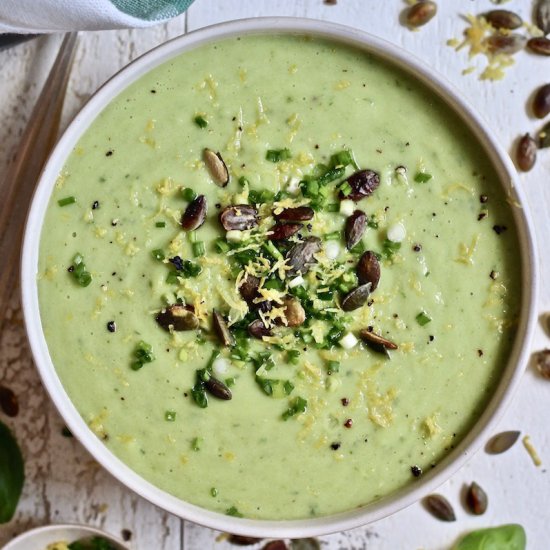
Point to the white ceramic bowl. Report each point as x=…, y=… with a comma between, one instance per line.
x=295, y=528
x=40, y=537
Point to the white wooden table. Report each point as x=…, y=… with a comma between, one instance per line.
x=65, y=485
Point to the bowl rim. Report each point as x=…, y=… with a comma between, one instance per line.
x=503, y=166
x=58, y=531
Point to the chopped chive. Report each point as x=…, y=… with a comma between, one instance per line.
x=214, y=492
x=158, y=254
x=172, y=278
x=331, y=175
x=221, y=246
x=229, y=382
x=422, y=177
x=192, y=236
x=200, y=121
x=342, y=158
x=196, y=443
x=423, y=318
x=277, y=155
x=188, y=194
x=325, y=296
x=66, y=201
x=288, y=386
x=345, y=189
x=334, y=236
x=160, y=224
x=198, y=249
x=332, y=207
x=260, y=197
x=170, y=416
x=243, y=181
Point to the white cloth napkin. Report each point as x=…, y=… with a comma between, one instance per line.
x=38, y=16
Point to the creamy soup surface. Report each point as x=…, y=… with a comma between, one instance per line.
x=362, y=263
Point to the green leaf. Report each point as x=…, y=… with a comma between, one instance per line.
x=12, y=474
x=504, y=537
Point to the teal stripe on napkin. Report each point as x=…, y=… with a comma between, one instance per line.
x=152, y=10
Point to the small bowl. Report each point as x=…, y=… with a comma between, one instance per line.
x=511, y=375
x=39, y=537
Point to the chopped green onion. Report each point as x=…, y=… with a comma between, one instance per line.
x=172, y=278
x=170, y=416
x=66, y=201
x=325, y=296
x=199, y=395
x=198, y=249
x=196, y=443
x=389, y=248
x=293, y=356
x=332, y=207
x=288, y=386
x=221, y=246
x=160, y=224
x=79, y=272
x=342, y=158
x=266, y=384
x=158, y=254
x=229, y=382
x=200, y=121
x=373, y=224
x=260, y=197
x=243, y=181
x=345, y=189
x=276, y=284
x=192, y=236
x=297, y=405
x=188, y=194
x=272, y=250
x=334, y=236
x=331, y=175
x=214, y=492
x=333, y=366
x=422, y=177
x=143, y=353
x=232, y=511
x=277, y=155
x=423, y=318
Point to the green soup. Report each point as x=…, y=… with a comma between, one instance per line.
x=323, y=417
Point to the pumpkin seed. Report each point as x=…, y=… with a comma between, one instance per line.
x=282, y=231
x=354, y=228
x=216, y=167
x=542, y=361
x=368, y=269
x=222, y=330
x=178, y=318
x=503, y=19
x=439, y=507
x=362, y=184
x=8, y=402
x=356, y=298
x=218, y=389
x=542, y=15
x=420, y=13
x=301, y=256
x=541, y=101
x=294, y=312
x=476, y=499
x=258, y=330
x=249, y=289
x=194, y=214
x=240, y=540
x=526, y=153
x=505, y=43
x=375, y=340
x=501, y=442
x=539, y=45
x=239, y=217
x=298, y=214
x=544, y=136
